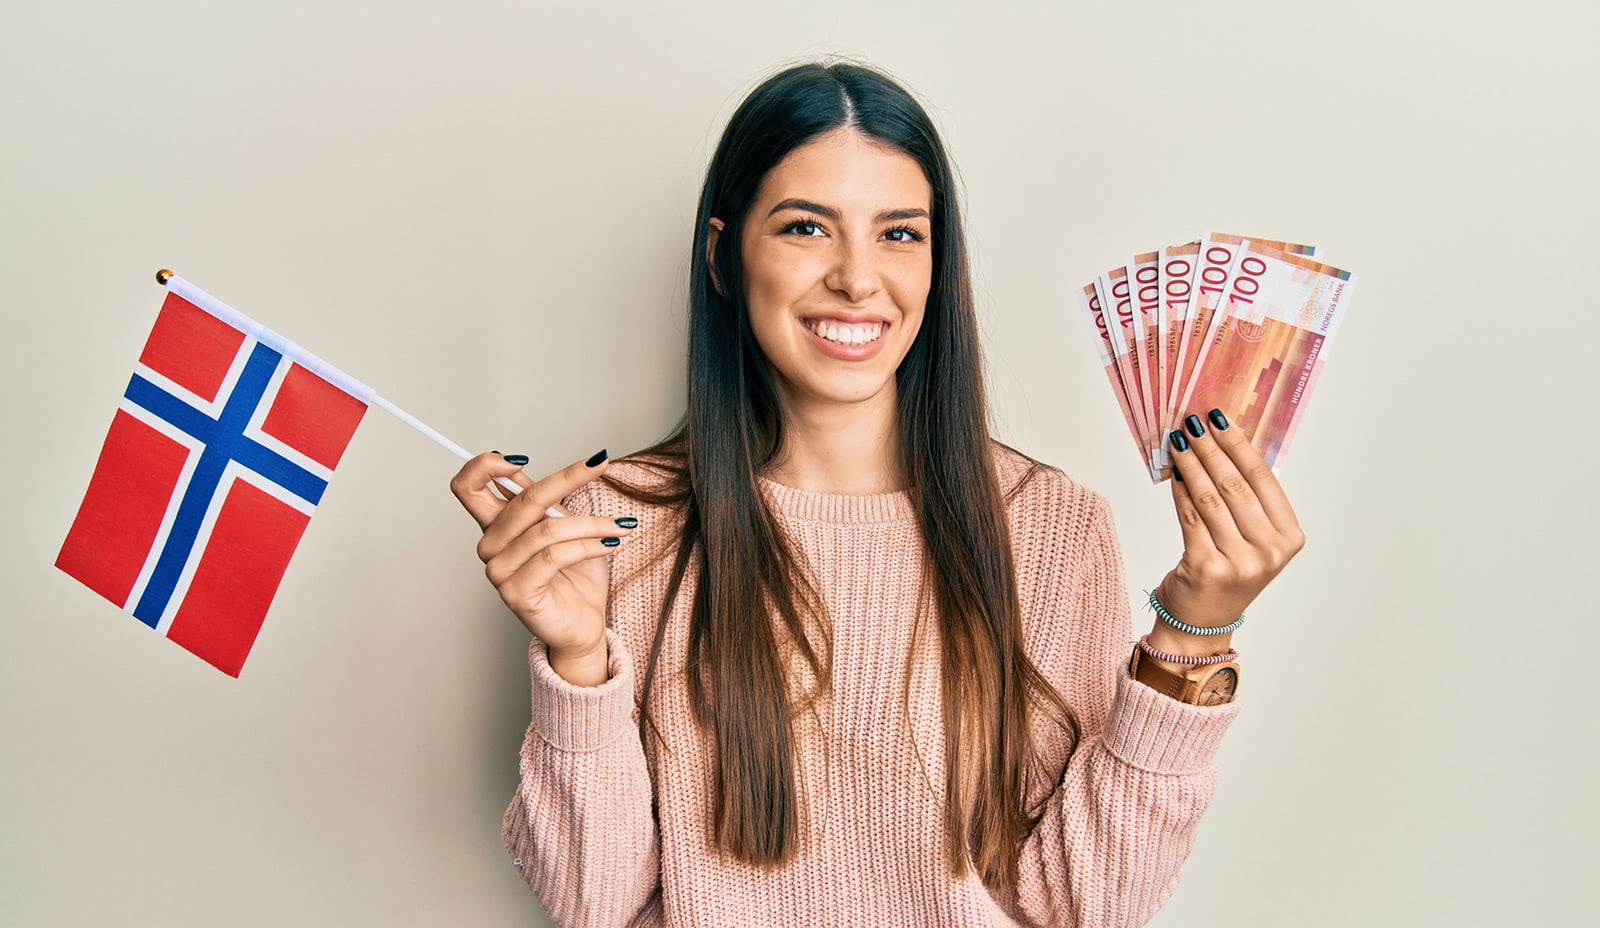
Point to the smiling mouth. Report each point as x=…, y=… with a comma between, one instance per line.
x=858, y=333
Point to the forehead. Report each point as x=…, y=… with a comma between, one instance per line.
x=848, y=170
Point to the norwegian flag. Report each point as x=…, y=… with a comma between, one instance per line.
x=220, y=450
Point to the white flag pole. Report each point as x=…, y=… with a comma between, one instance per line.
x=317, y=366
x=454, y=448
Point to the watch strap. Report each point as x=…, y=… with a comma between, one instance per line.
x=1184, y=687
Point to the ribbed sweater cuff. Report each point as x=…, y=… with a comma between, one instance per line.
x=1153, y=731
x=582, y=718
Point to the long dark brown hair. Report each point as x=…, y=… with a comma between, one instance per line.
x=753, y=601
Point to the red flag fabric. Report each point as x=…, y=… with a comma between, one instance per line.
x=219, y=452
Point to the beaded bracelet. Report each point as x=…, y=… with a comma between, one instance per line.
x=1172, y=620
x=1229, y=655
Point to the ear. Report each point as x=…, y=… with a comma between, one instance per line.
x=712, y=235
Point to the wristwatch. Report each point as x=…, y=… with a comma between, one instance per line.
x=1200, y=685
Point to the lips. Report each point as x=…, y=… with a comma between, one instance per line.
x=846, y=340
x=845, y=333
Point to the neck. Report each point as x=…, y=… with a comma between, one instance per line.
x=847, y=448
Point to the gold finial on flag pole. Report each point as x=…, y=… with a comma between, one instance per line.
x=162, y=276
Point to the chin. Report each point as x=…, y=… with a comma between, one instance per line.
x=841, y=390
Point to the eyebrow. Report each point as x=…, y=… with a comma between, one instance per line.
x=829, y=212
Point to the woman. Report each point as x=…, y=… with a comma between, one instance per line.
x=829, y=654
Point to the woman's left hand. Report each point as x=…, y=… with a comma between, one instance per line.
x=1239, y=530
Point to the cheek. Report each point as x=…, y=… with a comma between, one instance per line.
x=770, y=284
x=767, y=299
x=767, y=304
x=910, y=291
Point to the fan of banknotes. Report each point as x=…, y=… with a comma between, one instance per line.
x=1229, y=322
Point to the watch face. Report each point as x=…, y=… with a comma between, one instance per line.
x=1219, y=688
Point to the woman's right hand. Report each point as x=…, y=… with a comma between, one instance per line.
x=553, y=573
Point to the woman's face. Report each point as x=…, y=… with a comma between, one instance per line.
x=837, y=266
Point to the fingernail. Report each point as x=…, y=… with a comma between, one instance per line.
x=611, y=542
x=598, y=459
x=517, y=459
x=1218, y=420
x=1179, y=443
x=1176, y=475
x=627, y=522
x=1195, y=426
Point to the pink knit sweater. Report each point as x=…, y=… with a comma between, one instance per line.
x=608, y=831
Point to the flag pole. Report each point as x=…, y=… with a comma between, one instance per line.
x=356, y=388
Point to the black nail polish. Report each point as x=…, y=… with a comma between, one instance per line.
x=627, y=522
x=1195, y=426
x=1177, y=476
x=1218, y=420
x=517, y=459
x=1179, y=443
x=598, y=459
x=611, y=542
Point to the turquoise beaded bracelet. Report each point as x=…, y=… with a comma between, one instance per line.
x=1172, y=620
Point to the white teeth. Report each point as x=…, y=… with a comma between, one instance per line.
x=847, y=334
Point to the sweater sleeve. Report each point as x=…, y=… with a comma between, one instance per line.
x=581, y=828
x=1121, y=821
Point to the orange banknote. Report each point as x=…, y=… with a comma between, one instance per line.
x=1277, y=323
x=1175, y=278
x=1229, y=322
x=1218, y=253
x=1090, y=300
x=1145, y=292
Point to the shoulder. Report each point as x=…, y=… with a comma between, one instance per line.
x=648, y=488
x=1068, y=568
x=1062, y=532
x=638, y=481
x=1033, y=489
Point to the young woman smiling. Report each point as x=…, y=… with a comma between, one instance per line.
x=829, y=654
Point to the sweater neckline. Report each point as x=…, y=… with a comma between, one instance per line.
x=843, y=508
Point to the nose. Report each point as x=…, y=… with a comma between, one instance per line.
x=854, y=273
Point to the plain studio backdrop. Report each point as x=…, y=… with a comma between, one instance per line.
x=484, y=209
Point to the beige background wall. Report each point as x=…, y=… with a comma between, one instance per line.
x=483, y=210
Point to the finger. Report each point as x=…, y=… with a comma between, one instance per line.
x=537, y=572
x=1203, y=494
x=531, y=504
x=550, y=532
x=470, y=485
x=1236, y=445
x=1236, y=493
x=520, y=478
x=1196, y=537
x=551, y=490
